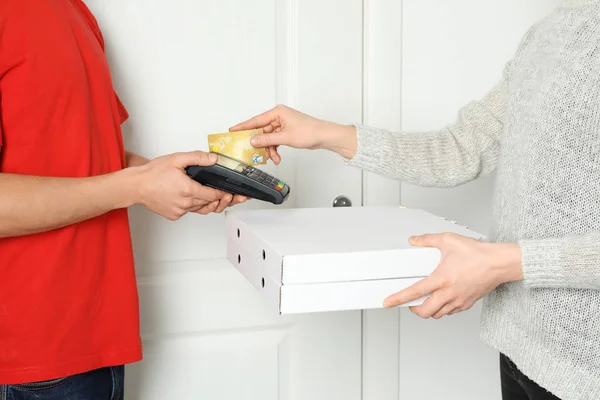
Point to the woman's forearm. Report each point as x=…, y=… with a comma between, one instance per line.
x=460, y=152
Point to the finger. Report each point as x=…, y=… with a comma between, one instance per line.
x=224, y=203
x=433, y=304
x=270, y=150
x=200, y=203
x=431, y=240
x=276, y=156
x=421, y=288
x=269, y=139
x=184, y=160
x=446, y=310
x=237, y=199
x=269, y=128
x=205, y=194
x=272, y=154
x=259, y=121
x=207, y=209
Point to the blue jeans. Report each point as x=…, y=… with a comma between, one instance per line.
x=100, y=384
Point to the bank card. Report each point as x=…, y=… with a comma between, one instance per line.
x=237, y=146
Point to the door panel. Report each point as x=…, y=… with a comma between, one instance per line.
x=185, y=69
x=329, y=78
x=235, y=365
x=382, y=106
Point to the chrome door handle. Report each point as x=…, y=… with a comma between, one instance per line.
x=342, y=201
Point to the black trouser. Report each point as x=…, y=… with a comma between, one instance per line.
x=517, y=386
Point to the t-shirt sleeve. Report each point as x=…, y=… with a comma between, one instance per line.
x=1, y=130
x=123, y=114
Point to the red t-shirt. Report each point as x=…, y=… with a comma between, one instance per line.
x=68, y=297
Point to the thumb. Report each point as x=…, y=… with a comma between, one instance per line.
x=425, y=240
x=184, y=160
x=269, y=139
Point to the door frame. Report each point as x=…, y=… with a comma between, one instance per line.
x=382, y=108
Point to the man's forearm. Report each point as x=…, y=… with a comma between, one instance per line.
x=135, y=160
x=30, y=204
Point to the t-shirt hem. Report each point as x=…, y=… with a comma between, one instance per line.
x=15, y=376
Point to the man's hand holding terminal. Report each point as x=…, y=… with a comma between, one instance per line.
x=33, y=204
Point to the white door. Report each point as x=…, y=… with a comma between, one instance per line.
x=187, y=68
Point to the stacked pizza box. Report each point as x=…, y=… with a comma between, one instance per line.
x=333, y=259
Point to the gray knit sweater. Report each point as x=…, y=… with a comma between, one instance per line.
x=540, y=129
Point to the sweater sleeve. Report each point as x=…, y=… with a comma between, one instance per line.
x=570, y=262
x=459, y=153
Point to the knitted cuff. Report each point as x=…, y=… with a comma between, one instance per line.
x=541, y=261
x=368, y=151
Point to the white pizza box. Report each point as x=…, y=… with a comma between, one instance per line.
x=333, y=259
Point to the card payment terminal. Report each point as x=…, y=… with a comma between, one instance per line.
x=233, y=176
